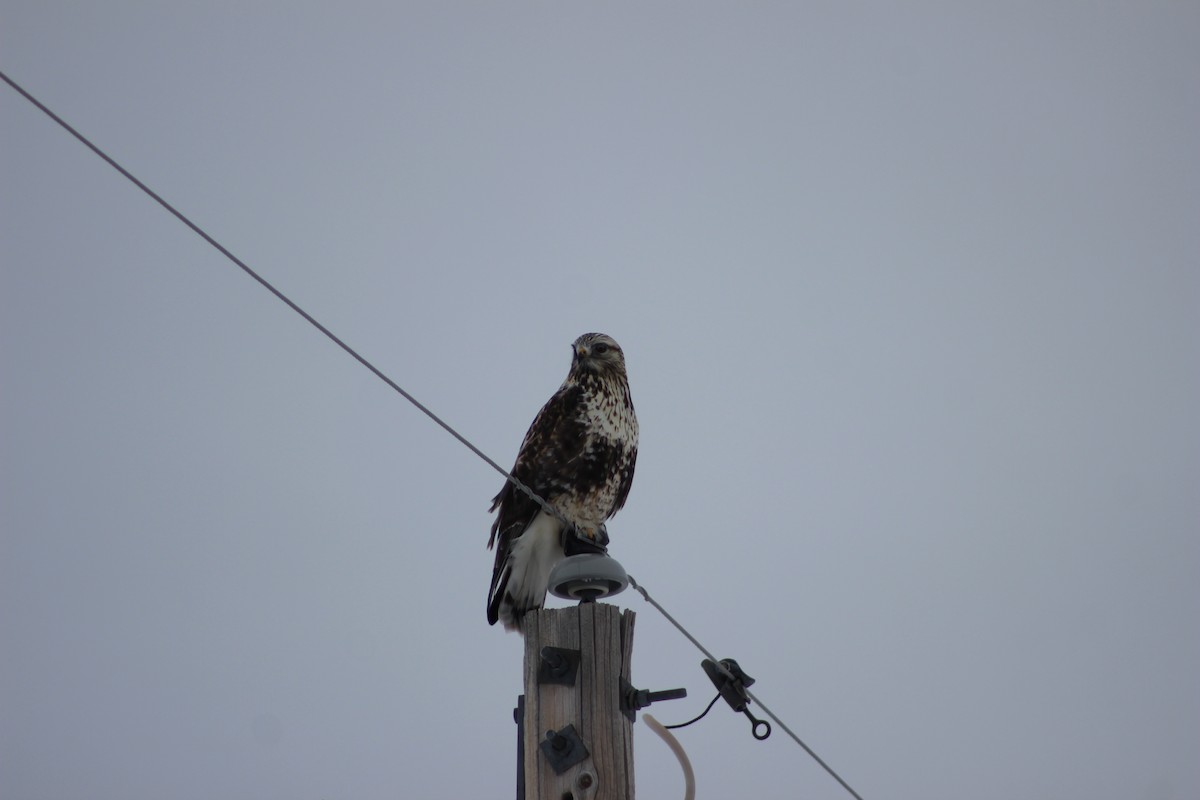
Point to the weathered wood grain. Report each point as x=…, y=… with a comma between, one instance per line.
x=604, y=638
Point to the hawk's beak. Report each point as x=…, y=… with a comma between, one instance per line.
x=581, y=352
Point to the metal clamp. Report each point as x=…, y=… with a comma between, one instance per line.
x=731, y=682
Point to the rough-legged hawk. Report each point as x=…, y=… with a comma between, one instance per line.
x=579, y=456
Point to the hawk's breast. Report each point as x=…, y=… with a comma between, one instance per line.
x=606, y=461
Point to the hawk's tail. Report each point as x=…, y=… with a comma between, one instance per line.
x=520, y=578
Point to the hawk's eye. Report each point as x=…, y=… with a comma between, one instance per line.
x=600, y=349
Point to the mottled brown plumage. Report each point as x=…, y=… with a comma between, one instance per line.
x=578, y=455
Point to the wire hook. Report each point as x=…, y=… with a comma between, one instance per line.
x=755, y=722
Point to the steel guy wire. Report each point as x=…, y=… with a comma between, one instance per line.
x=269, y=287
x=767, y=711
x=379, y=374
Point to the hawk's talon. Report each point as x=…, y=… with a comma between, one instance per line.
x=577, y=540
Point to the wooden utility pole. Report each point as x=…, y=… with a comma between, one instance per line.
x=577, y=739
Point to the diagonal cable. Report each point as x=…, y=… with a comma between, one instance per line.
x=292, y=305
x=767, y=711
x=379, y=374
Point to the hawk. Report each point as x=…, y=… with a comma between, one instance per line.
x=578, y=456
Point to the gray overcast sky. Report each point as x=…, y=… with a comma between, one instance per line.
x=910, y=297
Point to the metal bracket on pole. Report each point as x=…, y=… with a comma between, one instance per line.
x=633, y=699
x=563, y=749
x=559, y=665
x=519, y=718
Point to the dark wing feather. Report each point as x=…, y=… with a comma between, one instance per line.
x=556, y=437
x=626, y=482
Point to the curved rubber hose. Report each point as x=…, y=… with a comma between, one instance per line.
x=689, y=777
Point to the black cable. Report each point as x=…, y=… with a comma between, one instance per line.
x=766, y=710
x=707, y=709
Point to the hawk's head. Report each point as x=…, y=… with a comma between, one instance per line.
x=598, y=353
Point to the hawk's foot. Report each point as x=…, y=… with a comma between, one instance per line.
x=586, y=539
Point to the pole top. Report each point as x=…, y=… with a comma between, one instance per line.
x=588, y=577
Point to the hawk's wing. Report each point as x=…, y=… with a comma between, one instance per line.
x=554, y=440
x=625, y=481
